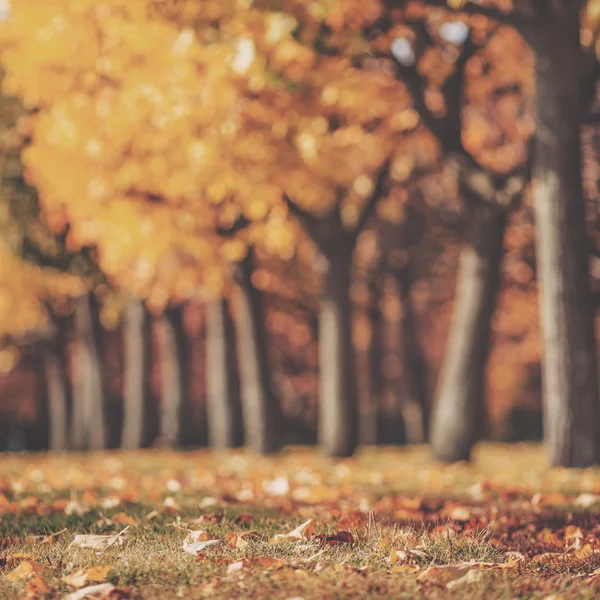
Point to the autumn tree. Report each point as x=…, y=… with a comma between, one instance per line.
x=564, y=62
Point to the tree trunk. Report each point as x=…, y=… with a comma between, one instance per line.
x=338, y=402
x=173, y=355
x=57, y=388
x=416, y=404
x=89, y=410
x=259, y=403
x=369, y=408
x=570, y=381
x=459, y=410
x=135, y=393
x=223, y=406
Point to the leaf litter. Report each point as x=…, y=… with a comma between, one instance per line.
x=173, y=522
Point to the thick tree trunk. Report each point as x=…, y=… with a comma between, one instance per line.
x=135, y=393
x=416, y=404
x=338, y=402
x=89, y=410
x=459, y=408
x=57, y=388
x=259, y=403
x=223, y=405
x=173, y=355
x=570, y=381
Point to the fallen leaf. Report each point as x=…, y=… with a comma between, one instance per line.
x=244, y=519
x=342, y=537
x=124, y=519
x=443, y=574
x=23, y=572
x=302, y=532
x=199, y=535
x=263, y=562
x=404, y=568
x=37, y=587
x=102, y=590
x=472, y=576
x=170, y=505
x=92, y=575
x=241, y=539
x=397, y=556
x=96, y=542
x=195, y=547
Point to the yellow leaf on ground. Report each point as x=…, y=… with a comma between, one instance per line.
x=92, y=575
x=24, y=571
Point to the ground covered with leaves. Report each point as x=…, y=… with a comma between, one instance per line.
x=388, y=523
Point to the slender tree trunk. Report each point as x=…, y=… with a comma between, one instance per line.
x=173, y=355
x=338, y=403
x=416, y=405
x=259, y=403
x=57, y=388
x=89, y=409
x=459, y=409
x=223, y=405
x=570, y=380
x=135, y=396
x=369, y=409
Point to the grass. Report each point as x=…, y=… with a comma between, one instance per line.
x=406, y=518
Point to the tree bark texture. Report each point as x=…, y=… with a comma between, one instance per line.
x=223, y=404
x=89, y=405
x=260, y=407
x=570, y=381
x=135, y=393
x=459, y=410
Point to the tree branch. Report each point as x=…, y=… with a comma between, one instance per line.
x=371, y=205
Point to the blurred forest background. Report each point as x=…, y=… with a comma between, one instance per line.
x=226, y=221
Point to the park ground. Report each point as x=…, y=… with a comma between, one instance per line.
x=389, y=523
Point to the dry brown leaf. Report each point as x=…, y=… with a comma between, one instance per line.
x=37, y=587
x=241, y=539
x=302, y=532
x=199, y=535
x=262, y=562
x=124, y=519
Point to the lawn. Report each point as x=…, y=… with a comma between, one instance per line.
x=389, y=523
